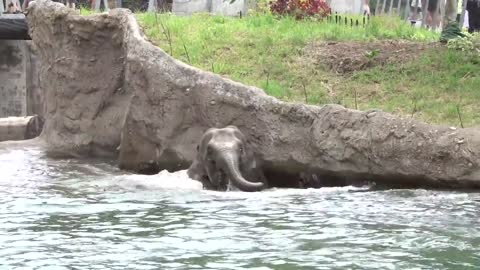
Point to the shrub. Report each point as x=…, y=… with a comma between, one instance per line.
x=301, y=8
x=471, y=42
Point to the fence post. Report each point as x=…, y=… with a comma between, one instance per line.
x=407, y=10
x=152, y=6
x=442, y=12
x=436, y=17
x=425, y=12
x=98, y=2
x=415, y=11
x=383, y=6
x=462, y=17
x=377, y=8
x=399, y=4
x=390, y=8
x=450, y=12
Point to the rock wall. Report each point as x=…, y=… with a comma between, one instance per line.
x=111, y=92
x=81, y=76
x=218, y=7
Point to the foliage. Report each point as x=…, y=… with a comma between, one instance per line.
x=372, y=54
x=451, y=31
x=471, y=42
x=301, y=8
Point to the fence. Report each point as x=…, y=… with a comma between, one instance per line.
x=422, y=13
x=425, y=13
x=348, y=21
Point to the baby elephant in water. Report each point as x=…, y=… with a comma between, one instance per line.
x=225, y=161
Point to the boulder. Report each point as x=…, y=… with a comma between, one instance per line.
x=110, y=92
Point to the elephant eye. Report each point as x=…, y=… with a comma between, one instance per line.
x=240, y=150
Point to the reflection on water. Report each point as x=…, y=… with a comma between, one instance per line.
x=89, y=215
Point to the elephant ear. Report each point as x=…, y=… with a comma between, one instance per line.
x=202, y=147
x=250, y=155
x=249, y=159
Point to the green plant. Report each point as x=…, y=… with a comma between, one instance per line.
x=471, y=42
x=301, y=8
x=372, y=54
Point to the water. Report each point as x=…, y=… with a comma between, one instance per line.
x=73, y=214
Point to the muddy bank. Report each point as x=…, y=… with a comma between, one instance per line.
x=110, y=92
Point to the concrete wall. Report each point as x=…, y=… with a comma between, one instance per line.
x=346, y=6
x=13, y=92
x=218, y=7
x=34, y=94
x=20, y=94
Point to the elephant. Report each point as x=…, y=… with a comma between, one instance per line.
x=225, y=160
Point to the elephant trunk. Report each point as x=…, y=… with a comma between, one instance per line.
x=232, y=169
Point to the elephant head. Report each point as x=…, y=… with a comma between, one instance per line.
x=223, y=154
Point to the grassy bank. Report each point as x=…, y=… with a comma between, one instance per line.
x=271, y=54
x=436, y=85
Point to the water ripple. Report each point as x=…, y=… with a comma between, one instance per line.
x=87, y=214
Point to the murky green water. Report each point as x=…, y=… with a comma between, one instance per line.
x=70, y=214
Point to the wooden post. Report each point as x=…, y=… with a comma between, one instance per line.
x=383, y=6
x=2, y=8
x=399, y=4
x=390, y=8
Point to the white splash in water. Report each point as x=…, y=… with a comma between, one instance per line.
x=162, y=180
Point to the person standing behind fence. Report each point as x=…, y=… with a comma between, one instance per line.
x=13, y=6
x=473, y=8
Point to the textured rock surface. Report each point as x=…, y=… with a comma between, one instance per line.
x=107, y=86
x=81, y=76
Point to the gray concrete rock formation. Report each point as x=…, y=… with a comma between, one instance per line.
x=110, y=92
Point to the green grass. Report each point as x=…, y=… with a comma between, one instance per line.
x=258, y=48
x=429, y=89
x=266, y=52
